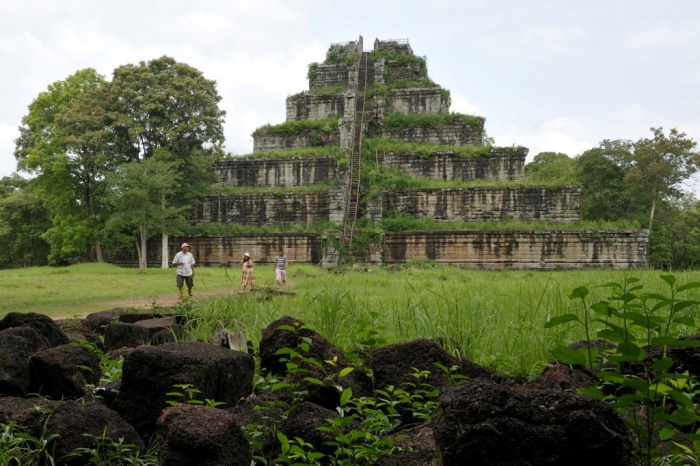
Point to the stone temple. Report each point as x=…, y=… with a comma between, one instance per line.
x=375, y=115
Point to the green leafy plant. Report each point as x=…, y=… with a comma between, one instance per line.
x=188, y=394
x=18, y=447
x=104, y=451
x=630, y=359
x=296, y=451
x=359, y=432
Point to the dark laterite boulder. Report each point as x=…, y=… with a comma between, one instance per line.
x=161, y=326
x=64, y=371
x=107, y=394
x=14, y=365
x=394, y=364
x=47, y=327
x=264, y=410
x=164, y=313
x=562, y=377
x=275, y=338
x=472, y=370
x=417, y=447
x=121, y=334
x=71, y=421
x=482, y=422
x=149, y=372
x=35, y=340
x=97, y=322
x=686, y=359
x=168, y=335
x=188, y=435
x=304, y=421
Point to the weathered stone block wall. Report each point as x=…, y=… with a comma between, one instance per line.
x=452, y=135
x=271, y=208
x=447, y=166
x=386, y=71
x=346, y=48
x=276, y=172
x=541, y=250
x=268, y=142
x=479, y=204
x=314, y=107
x=416, y=100
x=329, y=75
x=397, y=46
x=226, y=250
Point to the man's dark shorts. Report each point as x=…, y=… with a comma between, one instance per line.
x=188, y=280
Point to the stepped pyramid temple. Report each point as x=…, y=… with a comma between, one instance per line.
x=372, y=167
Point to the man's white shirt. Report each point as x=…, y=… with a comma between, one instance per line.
x=187, y=260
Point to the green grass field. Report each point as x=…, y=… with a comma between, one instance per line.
x=494, y=318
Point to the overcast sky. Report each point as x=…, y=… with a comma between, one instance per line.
x=551, y=75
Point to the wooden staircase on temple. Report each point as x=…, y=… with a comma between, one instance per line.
x=354, y=184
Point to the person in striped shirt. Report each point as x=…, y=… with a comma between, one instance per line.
x=281, y=268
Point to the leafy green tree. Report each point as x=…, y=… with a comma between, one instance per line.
x=601, y=174
x=138, y=189
x=62, y=141
x=168, y=108
x=660, y=164
x=675, y=239
x=9, y=184
x=551, y=167
x=23, y=221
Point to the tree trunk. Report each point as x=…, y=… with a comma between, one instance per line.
x=98, y=250
x=164, y=238
x=165, y=261
x=651, y=214
x=138, y=251
x=144, y=256
x=143, y=259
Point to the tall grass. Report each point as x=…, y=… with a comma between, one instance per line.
x=494, y=318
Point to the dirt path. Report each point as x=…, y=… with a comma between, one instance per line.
x=169, y=300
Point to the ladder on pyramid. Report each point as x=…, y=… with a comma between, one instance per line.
x=354, y=184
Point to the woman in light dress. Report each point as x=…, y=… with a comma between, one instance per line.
x=248, y=276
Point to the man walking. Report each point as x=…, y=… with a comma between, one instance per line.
x=185, y=269
x=281, y=268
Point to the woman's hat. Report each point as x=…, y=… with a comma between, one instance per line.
x=246, y=255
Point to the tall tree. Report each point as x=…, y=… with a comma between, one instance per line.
x=600, y=172
x=660, y=164
x=67, y=170
x=168, y=108
x=88, y=146
x=23, y=221
x=137, y=190
x=551, y=167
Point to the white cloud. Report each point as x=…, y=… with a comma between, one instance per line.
x=460, y=104
x=560, y=134
x=559, y=40
x=8, y=164
x=505, y=61
x=667, y=35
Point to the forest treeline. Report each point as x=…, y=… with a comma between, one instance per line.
x=109, y=164
x=643, y=182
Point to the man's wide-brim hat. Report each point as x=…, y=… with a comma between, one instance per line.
x=184, y=245
x=245, y=254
